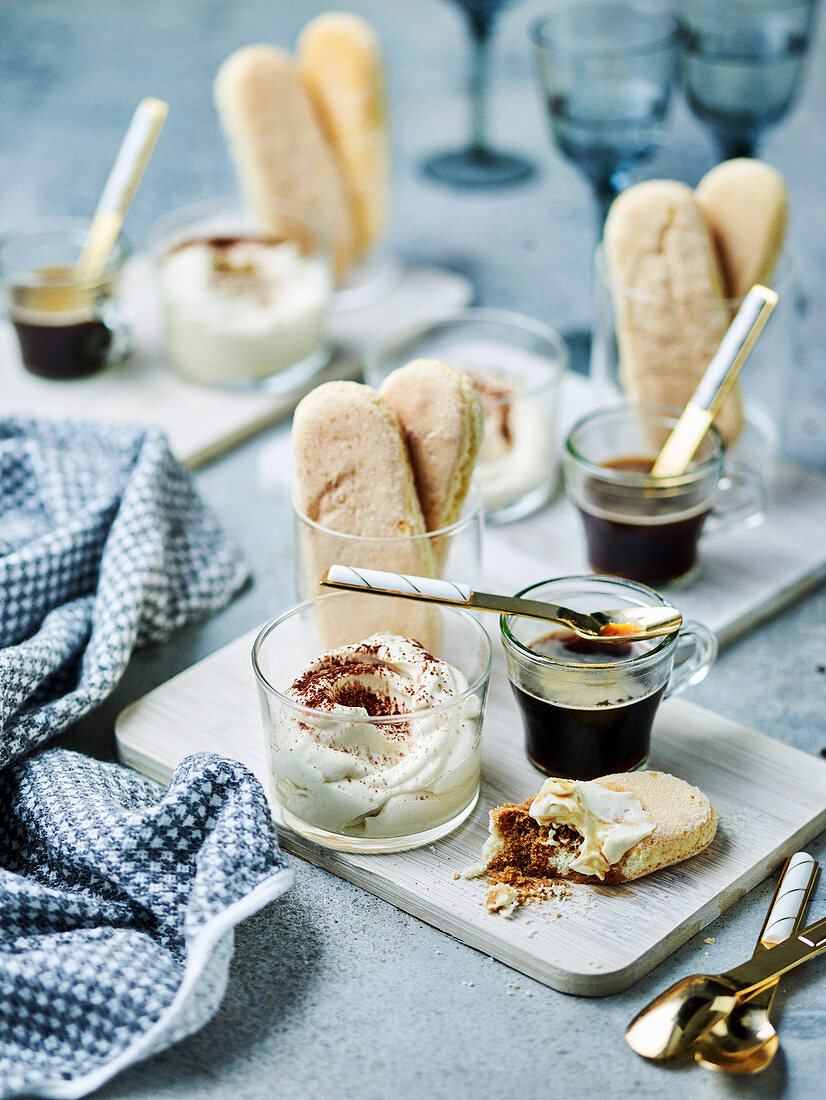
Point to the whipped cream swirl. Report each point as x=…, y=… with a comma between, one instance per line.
x=348, y=769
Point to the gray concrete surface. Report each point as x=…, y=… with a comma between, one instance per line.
x=333, y=992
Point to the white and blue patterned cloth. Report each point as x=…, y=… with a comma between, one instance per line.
x=117, y=907
x=104, y=545
x=117, y=899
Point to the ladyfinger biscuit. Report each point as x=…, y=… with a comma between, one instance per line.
x=669, y=297
x=442, y=421
x=353, y=477
x=340, y=63
x=746, y=207
x=534, y=839
x=280, y=155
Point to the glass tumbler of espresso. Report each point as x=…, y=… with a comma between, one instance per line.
x=644, y=528
x=67, y=326
x=588, y=707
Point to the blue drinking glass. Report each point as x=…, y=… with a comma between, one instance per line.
x=607, y=70
x=742, y=65
x=477, y=165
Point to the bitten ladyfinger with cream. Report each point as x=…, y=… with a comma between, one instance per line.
x=442, y=421
x=340, y=63
x=669, y=296
x=746, y=207
x=613, y=829
x=280, y=154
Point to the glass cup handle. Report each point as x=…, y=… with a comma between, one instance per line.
x=696, y=652
x=741, y=501
x=114, y=317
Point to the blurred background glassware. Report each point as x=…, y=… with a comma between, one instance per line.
x=587, y=707
x=477, y=165
x=606, y=70
x=323, y=811
x=455, y=551
x=765, y=381
x=742, y=65
x=374, y=276
x=642, y=528
x=240, y=307
x=67, y=328
x=517, y=365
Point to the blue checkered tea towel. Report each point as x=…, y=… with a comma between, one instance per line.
x=117, y=899
x=104, y=545
x=117, y=907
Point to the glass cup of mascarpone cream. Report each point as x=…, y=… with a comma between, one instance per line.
x=517, y=365
x=373, y=743
x=241, y=307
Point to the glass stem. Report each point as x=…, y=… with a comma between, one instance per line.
x=605, y=191
x=481, y=26
x=736, y=145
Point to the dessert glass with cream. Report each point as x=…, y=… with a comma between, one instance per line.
x=642, y=528
x=588, y=706
x=373, y=745
x=66, y=328
x=516, y=364
x=242, y=307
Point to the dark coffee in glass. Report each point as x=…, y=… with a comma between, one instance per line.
x=645, y=543
x=574, y=742
x=55, y=350
x=636, y=526
x=588, y=706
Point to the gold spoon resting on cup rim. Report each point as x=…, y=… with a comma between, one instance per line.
x=623, y=624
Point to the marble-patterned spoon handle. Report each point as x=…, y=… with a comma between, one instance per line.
x=427, y=588
x=790, y=899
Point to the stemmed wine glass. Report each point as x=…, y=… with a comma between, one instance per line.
x=478, y=165
x=607, y=71
x=742, y=65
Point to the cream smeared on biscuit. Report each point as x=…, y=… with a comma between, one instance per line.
x=611, y=822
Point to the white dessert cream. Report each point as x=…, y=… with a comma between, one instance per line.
x=517, y=455
x=242, y=309
x=336, y=768
x=611, y=822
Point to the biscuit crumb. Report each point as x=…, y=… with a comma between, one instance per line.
x=502, y=899
x=456, y=874
x=709, y=939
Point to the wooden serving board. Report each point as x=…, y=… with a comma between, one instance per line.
x=599, y=939
x=201, y=422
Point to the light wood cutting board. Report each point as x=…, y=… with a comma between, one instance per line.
x=599, y=939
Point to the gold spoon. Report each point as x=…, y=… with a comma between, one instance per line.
x=623, y=624
x=707, y=400
x=682, y=1015
x=746, y=1041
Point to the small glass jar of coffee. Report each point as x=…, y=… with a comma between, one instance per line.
x=67, y=327
x=588, y=707
x=645, y=528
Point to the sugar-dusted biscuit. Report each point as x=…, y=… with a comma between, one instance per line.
x=558, y=830
x=340, y=63
x=442, y=421
x=669, y=297
x=280, y=155
x=353, y=477
x=746, y=207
